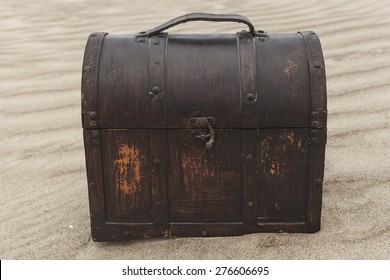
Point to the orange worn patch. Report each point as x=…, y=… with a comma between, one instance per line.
x=128, y=169
x=290, y=136
x=275, y=168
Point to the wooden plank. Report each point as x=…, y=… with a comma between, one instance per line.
x=124, y=100
x=204, y=184
x=127, y=178
x=205, y=229
x=202, y=80
x=283, y=171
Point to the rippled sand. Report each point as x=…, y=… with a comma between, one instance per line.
x=43, y=192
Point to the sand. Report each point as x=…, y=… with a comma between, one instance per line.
x=43, y=190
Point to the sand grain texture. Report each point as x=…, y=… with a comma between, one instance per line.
x=43, y=192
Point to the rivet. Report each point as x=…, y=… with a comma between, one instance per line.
x=203, y=233
x=92, y=115
x=156, y=41
x=314, y=140
x=156, y=90
x=95, y=134
x=249, y=158
x=141, y=40
x=92, y=186
x=245, y=40
x=157, y=63
x=250, y=204
x=250, y=97
x=318, y=182
x=314, y=115
x=87, y=69
x=158, y=204
x=264, y=38
x=93, y=123
x=315, y=123
x=317, y=64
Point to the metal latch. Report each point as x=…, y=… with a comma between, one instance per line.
x=205, y=122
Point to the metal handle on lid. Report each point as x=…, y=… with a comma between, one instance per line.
x=203, y=17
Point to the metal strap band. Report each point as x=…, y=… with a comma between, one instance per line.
x=317, y=79
x=248, y=81
x=157, y=46
x=89, y=83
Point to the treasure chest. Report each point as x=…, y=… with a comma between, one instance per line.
x=203, y=135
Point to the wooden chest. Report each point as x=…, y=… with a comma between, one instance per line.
x=203, y=135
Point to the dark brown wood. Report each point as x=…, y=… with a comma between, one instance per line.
x=203, y=135
x=208, y=86
x=283, y=172
x=204, y=185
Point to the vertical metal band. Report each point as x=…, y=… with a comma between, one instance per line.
x=248, y=81
x=317, y=79
x=159, y=181
x=95, y=182
x=315, y=179
x=157, y=49
x=89, y=80
x=250, y=178
x=318, y=131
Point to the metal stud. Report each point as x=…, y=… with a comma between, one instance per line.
x=319, y=182
x=92, y=115
x=92, y=186
x=250, y=204
x=250, y=97
x=156, y=90
x=203, y=233
x=156, y=41
x=317, y=64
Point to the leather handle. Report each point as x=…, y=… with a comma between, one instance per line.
x=201, y=17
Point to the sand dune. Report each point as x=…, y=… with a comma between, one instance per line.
x=44, y=209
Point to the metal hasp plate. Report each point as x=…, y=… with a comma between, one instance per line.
x=203, y=135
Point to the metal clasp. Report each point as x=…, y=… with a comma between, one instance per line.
x=205, y=122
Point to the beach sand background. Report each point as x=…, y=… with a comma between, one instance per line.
x=43, y=188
